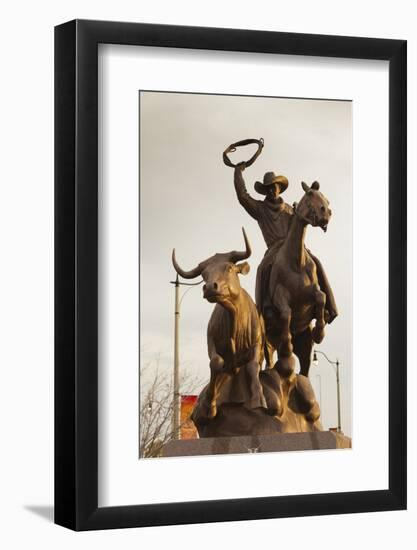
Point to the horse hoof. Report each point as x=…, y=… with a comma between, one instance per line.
x=285, y=366
x=277, y=410
x=317, y=335
x=314, y=413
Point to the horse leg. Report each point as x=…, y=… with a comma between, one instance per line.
x=255, y=388
x=269, y=318
x=286, y=362
x=306, y=399
x=303, y=345
x=320, y=302
x=269, y=354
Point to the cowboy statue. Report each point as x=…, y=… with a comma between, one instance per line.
x=274, y=217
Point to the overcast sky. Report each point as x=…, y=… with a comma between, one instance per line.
x=188, y=202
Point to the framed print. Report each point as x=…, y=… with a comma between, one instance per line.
x=230, y=275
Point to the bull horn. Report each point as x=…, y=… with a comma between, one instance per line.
x=185, y=274
x=238, y=256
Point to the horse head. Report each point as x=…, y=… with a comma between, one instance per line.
x=313, y=208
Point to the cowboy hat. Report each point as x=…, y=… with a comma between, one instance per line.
x=269, y=179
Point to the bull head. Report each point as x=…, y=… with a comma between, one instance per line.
x=220, y=273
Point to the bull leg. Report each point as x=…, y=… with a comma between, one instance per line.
x=255, y=388
x=303, y=345
x=216, y=369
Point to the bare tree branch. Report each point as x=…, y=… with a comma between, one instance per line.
x=156, y=407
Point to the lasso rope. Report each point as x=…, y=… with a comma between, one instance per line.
x=233, y=146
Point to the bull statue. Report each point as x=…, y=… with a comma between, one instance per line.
x=235, y=335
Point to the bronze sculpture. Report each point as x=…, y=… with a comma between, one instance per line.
x=294, y=289
x=274, y=218
x=239, y=399
x=235, y=337
x=291, y=291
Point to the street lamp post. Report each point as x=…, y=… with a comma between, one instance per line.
x=176, y=404
x=176, y=411
x=335, y=365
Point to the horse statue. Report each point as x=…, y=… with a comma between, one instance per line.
x=294, y=289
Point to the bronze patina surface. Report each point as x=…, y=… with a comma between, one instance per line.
x=240, y=399
x=294, y=302
x=298, y=268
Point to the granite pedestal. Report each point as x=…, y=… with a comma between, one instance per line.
x=307, y=441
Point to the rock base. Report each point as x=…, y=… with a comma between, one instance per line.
x=286, y=404
x=283, y=442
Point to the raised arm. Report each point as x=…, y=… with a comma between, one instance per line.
x=248, y=203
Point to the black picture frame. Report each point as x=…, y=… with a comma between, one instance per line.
x=76, y=272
